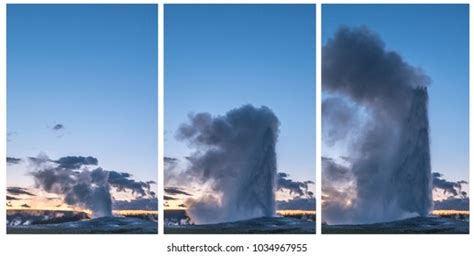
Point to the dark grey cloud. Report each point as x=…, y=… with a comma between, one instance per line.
x=25, y=206
x=122, y=181
x=16, y=191
x=176, y=191
x=299, y=188
x=67, y=162
x=75, y=162
x=308, y=204
x=58, y=127
x=13, y=160
x=136, y=204
x=169, y=160
x=452, y=203
x=12, y=198
x=452, y=188
x=170, y=198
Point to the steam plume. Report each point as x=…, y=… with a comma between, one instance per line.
x=82, y=187
x=389, y=174
x=235, y=157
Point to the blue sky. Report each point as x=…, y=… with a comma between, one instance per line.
x=91, y=68
x=435, y=38
x=220, y=57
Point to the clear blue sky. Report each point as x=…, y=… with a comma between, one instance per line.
x=92, y=68
x=435, y=38
x=219, y=57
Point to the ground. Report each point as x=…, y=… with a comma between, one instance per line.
x=263, y=225
x=104, y=225
x=417, y=225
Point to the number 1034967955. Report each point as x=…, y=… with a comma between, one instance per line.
x=280, y=247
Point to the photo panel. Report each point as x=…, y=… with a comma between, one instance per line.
x=239, y=119
x=395, y=119
x=82, y=119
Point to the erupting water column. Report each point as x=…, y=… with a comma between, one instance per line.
x=235, y=157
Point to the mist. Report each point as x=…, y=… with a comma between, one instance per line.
x=234, y=158
x=376, y=108
x=82, y=184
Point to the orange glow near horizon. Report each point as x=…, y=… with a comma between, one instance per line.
x=449, y=212
x=114, y=212
x=134, y=212
x=279, y=212
x=64, y=208
x=295, y=212
x=155, y=212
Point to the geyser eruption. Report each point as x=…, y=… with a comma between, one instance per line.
x=235, y=157
x=81, y=187
x=85, y=189
x=387, y=172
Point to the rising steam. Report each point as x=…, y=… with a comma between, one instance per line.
x=81, y=186
x=377, y=109
x=235, y=157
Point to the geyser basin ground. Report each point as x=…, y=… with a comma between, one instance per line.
x=263, y=225
x=417, y=225
x=104, y=225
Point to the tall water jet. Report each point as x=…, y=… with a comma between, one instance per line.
x=389, y=156
x=235, y=158
x=414, y=171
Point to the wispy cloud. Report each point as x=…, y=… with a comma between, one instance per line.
x=19, y=191
x=58, y=127
x=13, y=160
